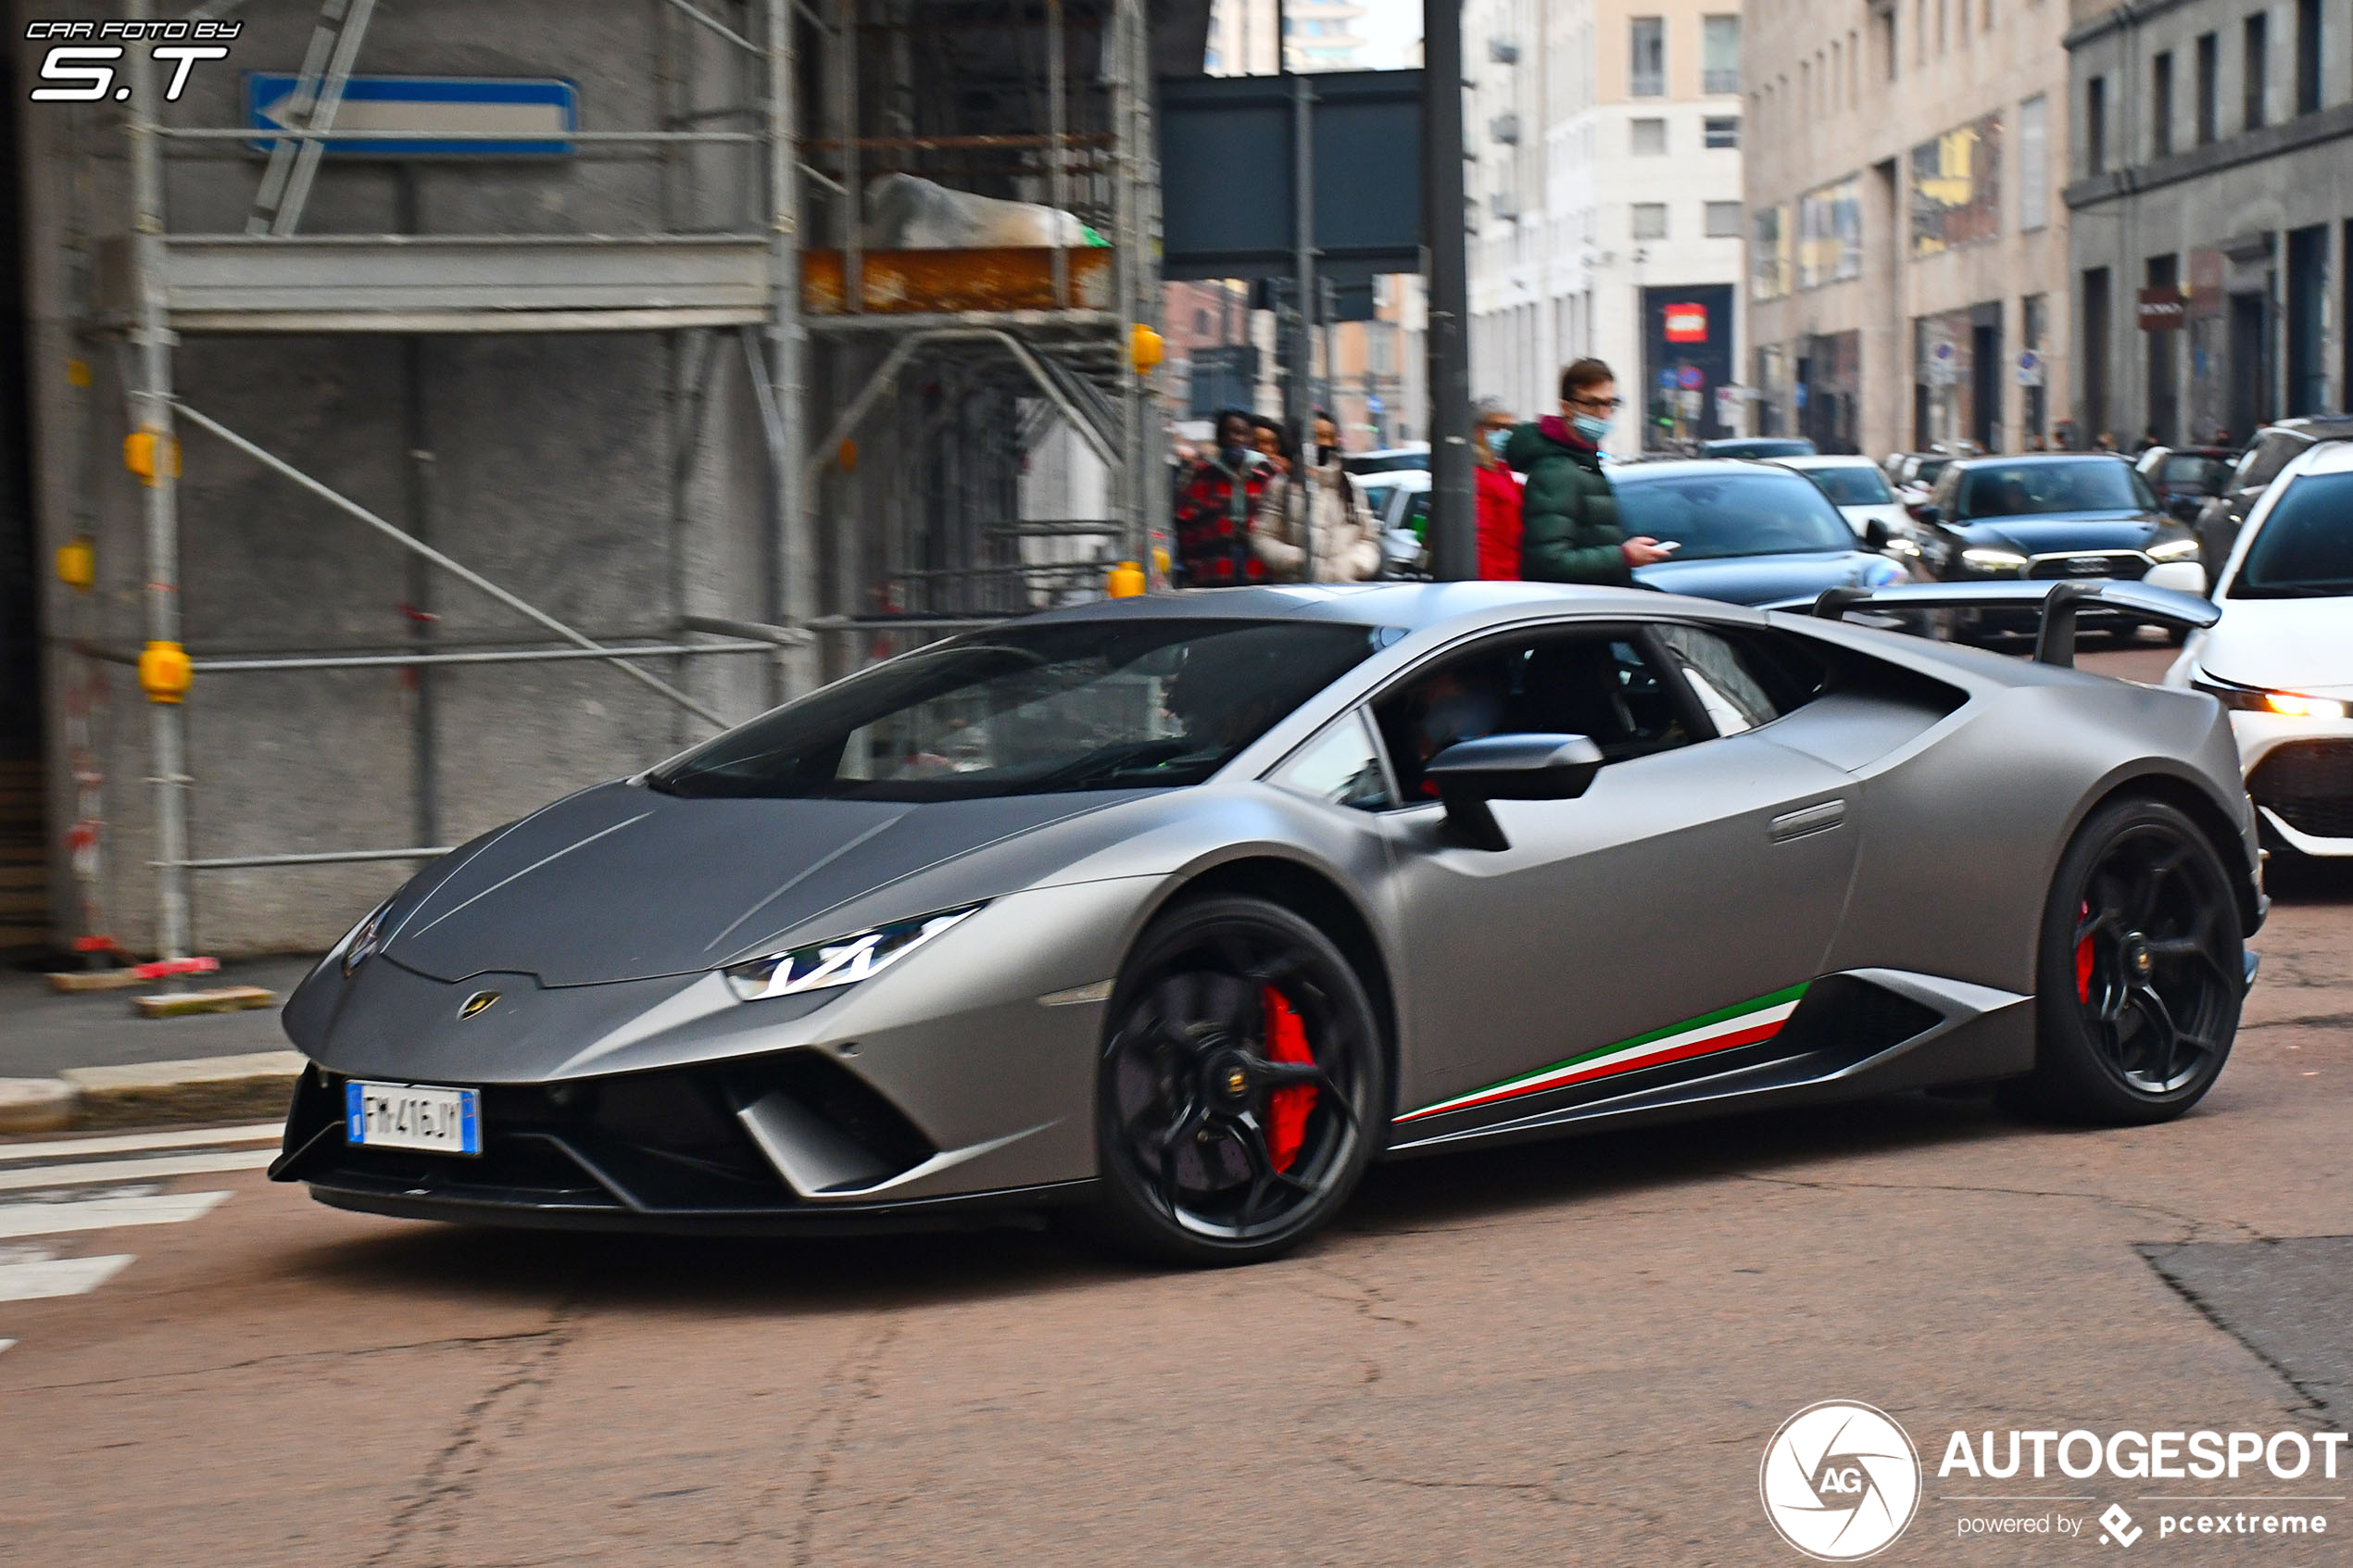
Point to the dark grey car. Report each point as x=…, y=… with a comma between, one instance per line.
x=1183, y=909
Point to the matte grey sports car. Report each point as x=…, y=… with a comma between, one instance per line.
x=1181, y=910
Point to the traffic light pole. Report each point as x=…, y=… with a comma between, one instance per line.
x=1453, y=520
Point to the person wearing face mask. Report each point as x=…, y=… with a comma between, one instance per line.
x=1214, y=505
x=1569, y=530
x=1499, y=496
x=1347, y=547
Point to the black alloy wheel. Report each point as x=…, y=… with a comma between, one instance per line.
x=2141, y=969
x=1242, y=1085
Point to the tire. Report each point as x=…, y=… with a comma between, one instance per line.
x=1204, y=1162
x=2140, y=971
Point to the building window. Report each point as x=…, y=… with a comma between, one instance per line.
x=1723, y=132
x=2095, y=126
x=2258, y=68
x=1647, y=73
x=1649, y=138
x=2308, y=57
x=2034, y=164
x=2161, y=105
x=1723, y=220
x=2209, y=92
x=1650, y=221
x=1719, y=54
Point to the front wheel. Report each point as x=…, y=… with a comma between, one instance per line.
x=2141, y=971
x=1241, y=1086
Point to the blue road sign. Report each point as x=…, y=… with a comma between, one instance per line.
x=1690, y=378
x=471, y=104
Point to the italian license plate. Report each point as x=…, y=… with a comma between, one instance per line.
x=412, y=1116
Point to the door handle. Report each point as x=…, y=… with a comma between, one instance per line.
x=1808, y=820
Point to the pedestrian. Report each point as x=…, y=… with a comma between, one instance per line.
x=1569, y=530
x=2147, y=440
x=1273, y=441
x=2034, y=441
x=1334, y=540
x=1498, y=495
x=2105, y=442
x=1212, y=511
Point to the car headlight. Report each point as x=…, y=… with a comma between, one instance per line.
x=845, y=961
x=363, y=940
x=2255, y=699
x=1899, y=546
x=1982, y=560
x=2174, y=549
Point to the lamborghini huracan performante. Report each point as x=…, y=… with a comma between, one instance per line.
x=1174, y=912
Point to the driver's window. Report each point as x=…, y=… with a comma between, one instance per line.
x=1599, y=684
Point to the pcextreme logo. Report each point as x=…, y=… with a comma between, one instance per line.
x=1840, y=1481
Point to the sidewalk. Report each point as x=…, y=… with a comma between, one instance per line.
x=43, y=1033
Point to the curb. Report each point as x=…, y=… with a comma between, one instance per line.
x=148, y=1094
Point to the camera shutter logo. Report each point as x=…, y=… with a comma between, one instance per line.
x=1840, y=1481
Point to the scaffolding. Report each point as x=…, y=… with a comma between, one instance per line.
x=958, y=367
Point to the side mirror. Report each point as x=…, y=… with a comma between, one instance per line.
x=1875, y=533
x=1473, y=772
x=1926, y=513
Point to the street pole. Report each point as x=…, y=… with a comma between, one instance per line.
x=1454, y=523
x=1302, y=411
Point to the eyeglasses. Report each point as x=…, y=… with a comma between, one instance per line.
x=1610, y=403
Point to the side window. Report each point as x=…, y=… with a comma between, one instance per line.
x=1948, y=486
x=1598, y=684
x=1338, y=766
x=1734, y=699
x=2266, y=458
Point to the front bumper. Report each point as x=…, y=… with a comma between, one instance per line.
x=2299, y=774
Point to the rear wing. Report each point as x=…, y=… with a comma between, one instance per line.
x=2060, y=603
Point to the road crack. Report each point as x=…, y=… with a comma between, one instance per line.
x=2197, y=1225
x=861, y=1373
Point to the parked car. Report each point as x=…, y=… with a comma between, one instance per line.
x=2070, y=516
x=1413, y=455
x=1757, y=447
x=1860, y=491
x=2186, y=478
x=2274, y=446
x=1400, y=503
x=2280, y=659
x=1747, y=532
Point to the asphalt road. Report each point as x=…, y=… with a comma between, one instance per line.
x=1572, y=1352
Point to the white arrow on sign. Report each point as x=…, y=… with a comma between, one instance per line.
x=356, y=118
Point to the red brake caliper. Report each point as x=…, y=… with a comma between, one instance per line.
x=2084, y=959
x=1287, y=1109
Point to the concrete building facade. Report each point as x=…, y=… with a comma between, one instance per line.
x=1907, y=261
x=2212, y=202
x=1606, y=205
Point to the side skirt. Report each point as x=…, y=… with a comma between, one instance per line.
x=1857, y=1033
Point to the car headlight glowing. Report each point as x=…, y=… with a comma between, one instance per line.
x=845, y=961
x=2174, y=549
x=2254, y=699
x=1982, y=559
x=364, y=939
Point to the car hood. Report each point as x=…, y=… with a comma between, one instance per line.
x=1757, y=579
x=2283, y=644
x=2061, y=533
x=623, y=883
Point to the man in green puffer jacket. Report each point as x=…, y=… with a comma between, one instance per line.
x=1572, y=533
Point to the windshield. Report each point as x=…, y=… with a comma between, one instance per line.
x=1112, y=704
x=2202, y=475
x=1860, y=485
x=1756, y=446
x=2305, y=548
x=1715, y=516
x=2094, y=484
x=1385, y=462
x=1929, y=468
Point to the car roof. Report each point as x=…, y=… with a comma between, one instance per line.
x=1823, y=461
x=1395, y=479
x=2315, y=427
x=2335, y=457
x=1683, y=468
x=2038, y=460
x=1411, y=605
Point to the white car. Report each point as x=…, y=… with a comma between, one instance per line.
x=2280, y=659
x=1857, y=489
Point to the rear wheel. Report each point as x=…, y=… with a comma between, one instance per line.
x=2141, y=971
x=1241, y=1087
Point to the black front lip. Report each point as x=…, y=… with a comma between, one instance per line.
x=523, y=1210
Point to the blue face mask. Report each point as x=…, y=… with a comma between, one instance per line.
x=1497, y=440
x=1590, y=427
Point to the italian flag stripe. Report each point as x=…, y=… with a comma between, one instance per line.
x=1723, y=1030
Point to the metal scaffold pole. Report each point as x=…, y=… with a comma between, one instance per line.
x=163, y=666
x=1454, y=487
x=786, y=338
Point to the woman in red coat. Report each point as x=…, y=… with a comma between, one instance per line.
x=1498, y=495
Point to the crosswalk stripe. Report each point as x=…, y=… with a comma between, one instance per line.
x=136, y=1170
x=47, y=1277
x=106, y=1214
x=136, y=1143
